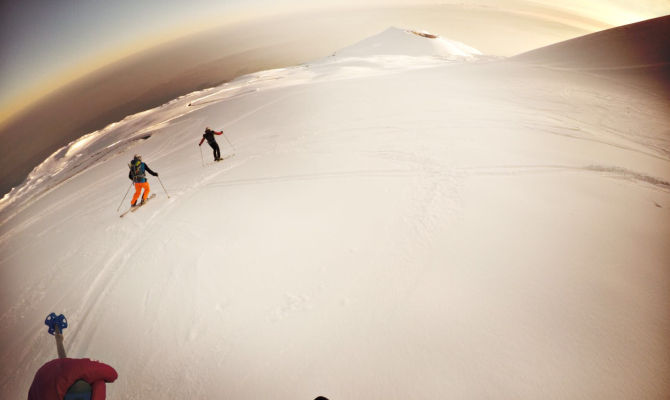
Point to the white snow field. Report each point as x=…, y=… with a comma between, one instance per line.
x=426, y=224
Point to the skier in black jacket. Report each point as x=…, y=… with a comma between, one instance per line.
x=209, y=135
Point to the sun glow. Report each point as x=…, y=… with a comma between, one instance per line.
x=40, y=89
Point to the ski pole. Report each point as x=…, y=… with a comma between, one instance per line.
x=159, y=180
x=231, y=145
x=201, y=158
x=59, y=344
x=56, y=325
x=124, y=197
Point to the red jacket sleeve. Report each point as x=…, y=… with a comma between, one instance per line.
x=201, y=140
x=52, y=381
x=218, y=133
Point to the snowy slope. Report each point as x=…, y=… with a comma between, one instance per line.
x=389, y=227
x=631, y=54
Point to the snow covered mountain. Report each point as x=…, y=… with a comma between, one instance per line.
x=395, y=41
x=387, y=224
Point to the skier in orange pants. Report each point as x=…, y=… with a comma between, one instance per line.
x=137, y=173
x=138, y=190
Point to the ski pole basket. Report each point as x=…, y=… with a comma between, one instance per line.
x=54, y=321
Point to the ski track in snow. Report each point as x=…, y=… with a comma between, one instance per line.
x=605, y=171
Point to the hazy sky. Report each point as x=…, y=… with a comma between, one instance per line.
x=44, y=44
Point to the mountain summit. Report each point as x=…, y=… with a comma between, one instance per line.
x=396, y=41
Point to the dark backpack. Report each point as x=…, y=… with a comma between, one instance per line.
x=136, y=170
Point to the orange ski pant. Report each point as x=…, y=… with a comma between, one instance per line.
x=138, y=189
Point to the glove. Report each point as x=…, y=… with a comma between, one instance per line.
x=52, y=381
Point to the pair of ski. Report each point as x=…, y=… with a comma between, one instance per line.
x=224, y=158
x=135, y=208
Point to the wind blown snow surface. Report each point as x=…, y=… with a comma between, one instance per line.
x=386, y=226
